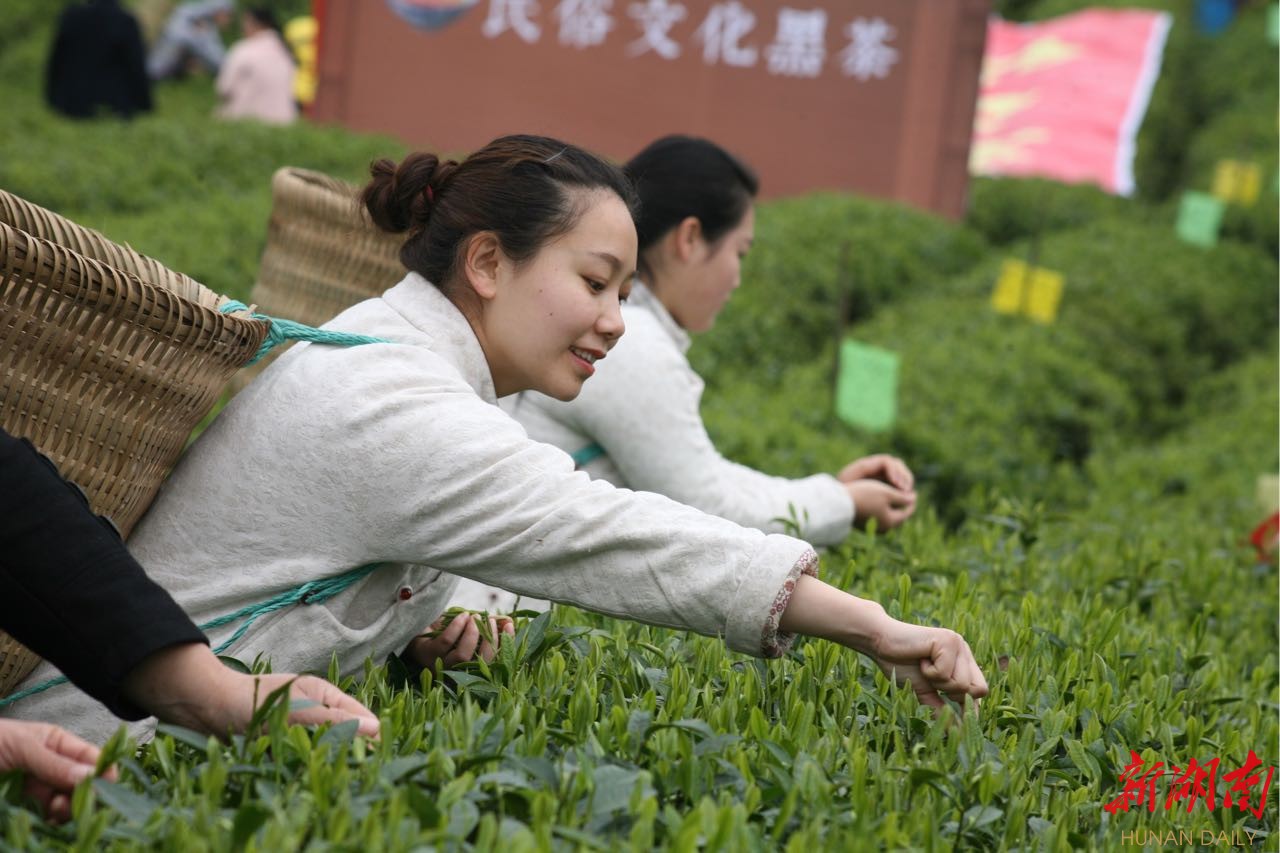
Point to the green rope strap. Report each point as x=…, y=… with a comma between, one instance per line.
x=281, y=331
x=311, y=592
x=587, y=454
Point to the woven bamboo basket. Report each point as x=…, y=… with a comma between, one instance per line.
x=323, y=254
x=47, y=225
x=106, y=371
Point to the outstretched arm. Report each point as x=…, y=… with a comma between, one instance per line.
x=189, y=686
x=932, y=660
x=644, y=409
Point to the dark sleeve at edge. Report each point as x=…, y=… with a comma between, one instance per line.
x=72, y=593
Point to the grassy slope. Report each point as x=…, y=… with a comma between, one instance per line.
x=1087, y=487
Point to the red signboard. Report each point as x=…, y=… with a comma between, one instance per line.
x=875, y=96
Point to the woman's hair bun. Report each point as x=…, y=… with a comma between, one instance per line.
x=401, y=197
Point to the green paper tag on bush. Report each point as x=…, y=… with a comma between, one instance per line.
x=1199, y=218
x=867, y=386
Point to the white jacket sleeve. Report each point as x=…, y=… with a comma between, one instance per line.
x=642, y=408
x=460, y=487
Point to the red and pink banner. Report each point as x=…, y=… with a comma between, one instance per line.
x=1064, y=98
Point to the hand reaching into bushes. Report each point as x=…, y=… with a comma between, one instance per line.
x=881, y=487
x=933, y=661
x=880, y=466
x=889, y=506
x=456, y=638
x=189, y=686
x=55, y=761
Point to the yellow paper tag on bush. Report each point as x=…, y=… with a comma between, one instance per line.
x=1237, y=182
x=1033, y=291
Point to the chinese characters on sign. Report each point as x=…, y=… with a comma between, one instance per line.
x=729, y=34
x=868, y=96
x=1242, y=789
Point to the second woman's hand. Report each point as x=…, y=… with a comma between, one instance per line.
x=55, y=761
x=888, y=505
x=879, y=466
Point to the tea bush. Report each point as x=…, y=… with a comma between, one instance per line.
x=812, y=252
x=1246, y=134
x=1143, y=304
x=1004, y=210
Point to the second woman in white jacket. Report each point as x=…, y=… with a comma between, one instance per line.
x=637, y=423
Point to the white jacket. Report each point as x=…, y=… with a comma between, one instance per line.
x=642, y=408
x=397, y=453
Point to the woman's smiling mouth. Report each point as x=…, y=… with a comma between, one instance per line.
x=586, y=358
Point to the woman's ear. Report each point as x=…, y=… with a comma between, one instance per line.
x=482, y=264
x=688, y=237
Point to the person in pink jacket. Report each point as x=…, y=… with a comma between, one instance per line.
x=256, y=80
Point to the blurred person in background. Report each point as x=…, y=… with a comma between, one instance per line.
x=98, y=63
x=192, y=37
x=256, y=80
x=74, y=594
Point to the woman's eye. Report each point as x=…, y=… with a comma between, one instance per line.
x=597, y=286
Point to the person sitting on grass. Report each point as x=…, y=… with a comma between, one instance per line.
x=70, y=587
x=191, y=39
x=359, y=481
x=256, y=79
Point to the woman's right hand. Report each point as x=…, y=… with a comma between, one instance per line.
x=888, y=505
x=55, y=761
x=930, y=660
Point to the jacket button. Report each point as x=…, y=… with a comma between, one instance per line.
x=405, y=593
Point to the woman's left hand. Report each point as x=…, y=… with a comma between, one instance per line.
x=880, y=466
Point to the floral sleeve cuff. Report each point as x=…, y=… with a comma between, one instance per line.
x=775, y=642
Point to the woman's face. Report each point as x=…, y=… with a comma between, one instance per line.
x=709, y=276
x=552, y=317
